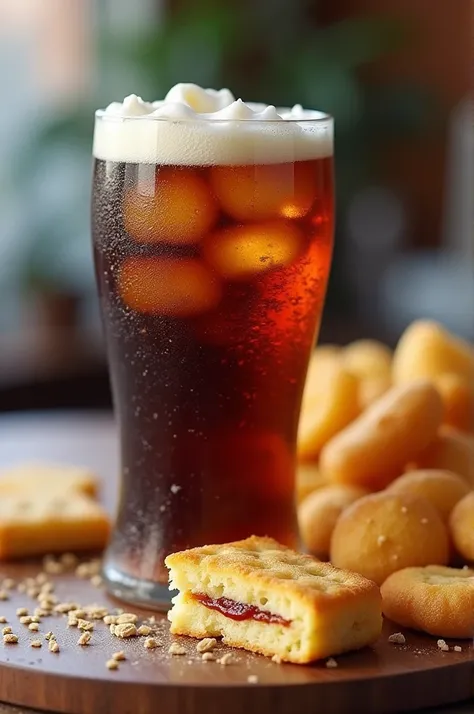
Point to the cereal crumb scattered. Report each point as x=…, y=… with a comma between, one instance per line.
x=443, y=646
x=4, y=595
x=69, y=560
x=3, y=619
x=119, y=656
x=53, y=646
x=208, y=657
x=36, y=643
x=33, y=626
x=66, y=607
x=10, y=639
x=112, y=628
x=126, y=618
x=176, y=649
x=226, y=659
x=398, y=638
x=206, y=645
x=112, y=664
x=85, y=625
x=150, y=643
x=21, y=612
x=49, y=636
x=276, y=658
x=381, y=540
x=127, y=629
x=252, y=679
x=8, y=584
x=6, y=631
x=84, y=639
x=110, y=620
x=457, y=648
x=25, y=620
x=144, y=630
x=331, y=663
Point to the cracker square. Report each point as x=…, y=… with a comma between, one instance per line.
x=283, y=603
x=57, y=478
x=50, y=523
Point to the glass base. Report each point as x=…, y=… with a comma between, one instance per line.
x=135, y=591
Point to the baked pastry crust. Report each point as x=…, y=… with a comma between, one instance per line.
x=328, y=611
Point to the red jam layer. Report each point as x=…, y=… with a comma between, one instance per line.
x=240, y=610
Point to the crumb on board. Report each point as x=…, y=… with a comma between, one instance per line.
x=331, y=663
x=398, y=638
x=176, y=649
x=206, y=645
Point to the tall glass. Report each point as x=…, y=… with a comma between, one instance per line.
x=212, y=276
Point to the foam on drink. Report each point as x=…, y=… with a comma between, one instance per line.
x=202, y=127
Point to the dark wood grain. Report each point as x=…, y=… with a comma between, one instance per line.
x=385, y=678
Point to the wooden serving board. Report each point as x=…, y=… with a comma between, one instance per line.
x=385, y=678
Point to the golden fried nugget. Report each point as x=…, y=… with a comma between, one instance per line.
x=461, y=524
x=368, y=359
x=318, y=514
x=442, y=489
x=385, y=532
x=458, y=397
x=308, y=479
x=452, y=450
x=375, y=448
x=434, y=599
x=329, y=410
x=426, y=349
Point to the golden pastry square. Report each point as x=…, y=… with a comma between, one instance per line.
x=32, y=524
x=45, y=477
x=266, y=598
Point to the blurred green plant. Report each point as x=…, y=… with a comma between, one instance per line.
x=271, y=51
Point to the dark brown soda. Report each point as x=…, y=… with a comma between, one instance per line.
x=206, y=400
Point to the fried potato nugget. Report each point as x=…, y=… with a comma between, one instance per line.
x=426, y=349
x=385, y=532
x=318, y=514
x=332, y=404
x=375, y=448
x=461, y=525
x=308, y=479
x=434, y=599
x=371, y=362
x=452, y=450
x=458, y=397
x=442, y=489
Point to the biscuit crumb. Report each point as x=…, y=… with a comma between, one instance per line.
x=119, y=656
x=331, y=663
x=276, y=658
x=110, y=620
x=53, y=646
x=398, y=638
x=4, y=595
x=84, y=639
x=3, y=619
x=381, y=540
x=8, y=584
x=69, y=560
x=126, y=618
x=49, y=636
x=150, y=643
x=457, y=648
x=443, y=646
x=208, y=657
x=144, y=630
x=33, y=626
x=252, y=679
x=25, y=620
x=66, y=607
x=112, y=664
x=226, y=659
x=36, y=643
x=10, y=639
x=21, y=612
x=126, y=629
x=85, y=625
x=176, y=649
x=112, y=628
x=206, y=645
x=6, y=631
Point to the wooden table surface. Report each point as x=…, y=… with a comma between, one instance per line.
x=87, y=438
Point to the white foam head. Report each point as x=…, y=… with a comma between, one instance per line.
x=193, y=126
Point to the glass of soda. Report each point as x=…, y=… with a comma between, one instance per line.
x=213, y=233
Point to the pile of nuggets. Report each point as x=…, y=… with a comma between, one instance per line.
x=386, y=474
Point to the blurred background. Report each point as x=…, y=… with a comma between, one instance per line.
x=396, y=75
